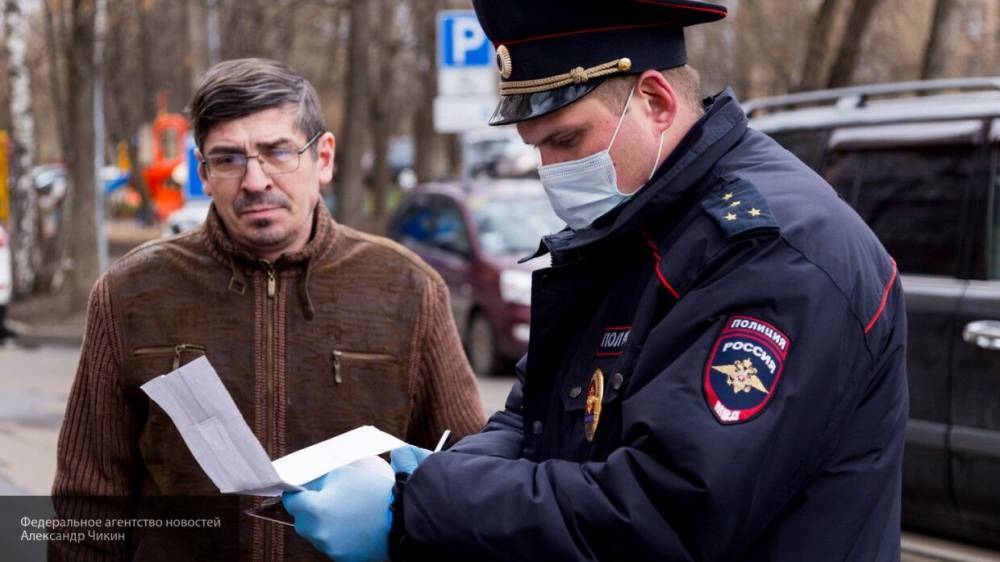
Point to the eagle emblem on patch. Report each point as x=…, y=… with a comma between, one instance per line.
x=744, y=367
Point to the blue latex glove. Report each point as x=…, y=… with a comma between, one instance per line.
x=407, y=458
x=345, y=514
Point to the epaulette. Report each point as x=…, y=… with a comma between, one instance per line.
x=739, y=207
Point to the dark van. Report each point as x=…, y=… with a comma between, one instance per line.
x=920, y=162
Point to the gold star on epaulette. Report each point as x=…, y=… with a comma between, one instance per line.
x=735, y=204
x=754, y=212
x=727, y=197
x=730, y=217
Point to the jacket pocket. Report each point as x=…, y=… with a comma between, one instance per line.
x=159, y=440
x=175, y=351
x=374, y=383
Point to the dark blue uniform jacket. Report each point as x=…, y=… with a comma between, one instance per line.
x=750, y=335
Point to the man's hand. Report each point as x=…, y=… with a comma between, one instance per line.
x=345, y=514
x=408, y=458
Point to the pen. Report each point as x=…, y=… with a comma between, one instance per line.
x=444, y=439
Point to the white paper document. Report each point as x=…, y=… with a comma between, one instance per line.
x=229, y=453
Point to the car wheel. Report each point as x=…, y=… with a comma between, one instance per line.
x=482, y=346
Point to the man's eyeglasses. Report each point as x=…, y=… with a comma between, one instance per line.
x=273, y=161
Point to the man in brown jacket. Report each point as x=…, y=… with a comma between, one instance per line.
x=313, y=327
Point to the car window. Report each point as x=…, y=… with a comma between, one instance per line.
x=843, y=172
x=513, y=225
x=449, y=232
x=808, y=146
x=415, y=223
x=913, y=198
x=995, y=239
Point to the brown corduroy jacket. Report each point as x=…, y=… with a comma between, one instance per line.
x=351, y=330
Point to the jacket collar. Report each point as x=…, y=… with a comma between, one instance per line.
x=226, y=250
x=723, y=124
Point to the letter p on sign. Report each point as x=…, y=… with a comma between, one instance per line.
x=462, y=40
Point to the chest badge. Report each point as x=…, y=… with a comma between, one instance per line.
x=743, y=369
x=592, y=410
x=613, y=341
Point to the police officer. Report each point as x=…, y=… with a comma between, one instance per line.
x=716, y=368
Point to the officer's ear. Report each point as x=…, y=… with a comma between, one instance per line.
x=658, y=98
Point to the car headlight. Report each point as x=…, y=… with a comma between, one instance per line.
x=515, y=286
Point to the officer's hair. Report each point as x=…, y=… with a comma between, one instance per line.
x=236, y=88
x=685, y=80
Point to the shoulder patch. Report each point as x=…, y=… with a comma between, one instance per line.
x=743, y=368
x=739, y=207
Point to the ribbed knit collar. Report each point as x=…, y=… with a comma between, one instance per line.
x=226, y=250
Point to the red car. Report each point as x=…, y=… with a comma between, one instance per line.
x=473, y=235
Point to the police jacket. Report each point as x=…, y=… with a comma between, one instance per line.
x=716, y=371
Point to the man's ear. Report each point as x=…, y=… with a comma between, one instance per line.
x=201, y=172
x=661, y=100
x=326, y=151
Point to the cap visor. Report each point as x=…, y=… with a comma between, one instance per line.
x=520, y=107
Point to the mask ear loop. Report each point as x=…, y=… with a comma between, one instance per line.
x=656, y=163
x=621, y=119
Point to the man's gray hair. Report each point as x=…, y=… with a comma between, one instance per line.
x=236, y=88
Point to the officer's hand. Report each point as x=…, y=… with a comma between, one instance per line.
x=407, y=458
x=345, y=514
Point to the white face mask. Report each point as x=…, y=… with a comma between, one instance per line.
x=582, y=190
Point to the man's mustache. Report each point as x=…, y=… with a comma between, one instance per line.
x=249, y=200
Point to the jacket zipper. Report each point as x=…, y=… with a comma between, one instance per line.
x=269, y=413
x=338, y=356
x=175, y=350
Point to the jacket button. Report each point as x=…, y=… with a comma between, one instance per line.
x=617, y=380
x=576, y=391
x=537, y=427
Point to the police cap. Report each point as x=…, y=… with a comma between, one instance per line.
x=553, y=52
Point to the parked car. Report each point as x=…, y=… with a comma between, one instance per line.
x=920, y=162
x=6, y=281
x=191, y=214
x=498, y=152
x=473, y=236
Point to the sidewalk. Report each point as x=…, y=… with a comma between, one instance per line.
x=46, y=319
x=43, y=319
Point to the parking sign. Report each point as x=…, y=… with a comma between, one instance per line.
x=461, y=41
x=465, y=56
x=467, y=75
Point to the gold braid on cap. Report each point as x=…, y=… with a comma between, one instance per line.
x=578, y=75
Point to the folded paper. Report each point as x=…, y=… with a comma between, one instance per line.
x=221, y=441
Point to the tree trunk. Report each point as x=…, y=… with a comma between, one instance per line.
x=819, y=46
x=429, y=146
x=144, y=54
x=993, y=17
x=100, y=133
x=212, y=32
x=846, y=62
x=125, y=108
x=383, y=113
x=79, y=221
x=24, y=205
x=993, y=25
x=197, y=40
x=55, y=34
x=349, y=180
x=937, y=53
